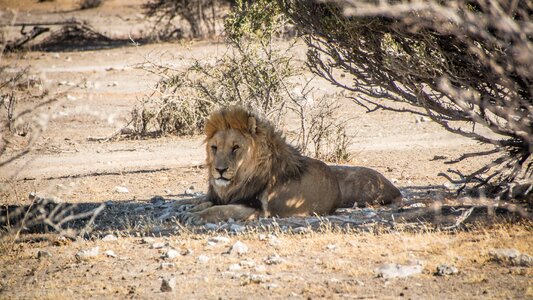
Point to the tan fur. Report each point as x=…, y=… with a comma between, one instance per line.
x=261, y=174
x=253, y=172
x=362, y=186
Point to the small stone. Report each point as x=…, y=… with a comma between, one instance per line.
x=121, y=189
x=511, y=257
x=247, y=263
x=88, y=253
x=71, y=98
x=219, y=240
x=211, y=226
x=190, y=191
x=272, y=286
x=301, y=230
x=234, y=267
x=43, y=253
x=368, y=212
x=170, y=254
x=443, y=270
x=260, y=268
x=167, y=191
x=147, y=240
x=262, y=237
x=109, y=238
x=238, y=248
x=331, y=247
x=186, y=252
x=236, y=228
x=273, y=240
x=273, y=260
x=257, y=278
x=157, y=245
x=114, y=83
x=398, y=271
x=166, y=265
x=167, y=285
x=110, y=253
x=203, y=259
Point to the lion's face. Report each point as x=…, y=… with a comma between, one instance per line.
x=228, y=153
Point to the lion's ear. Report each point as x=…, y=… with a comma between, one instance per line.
x=252, y=125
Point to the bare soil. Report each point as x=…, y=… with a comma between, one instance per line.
x=74, y=162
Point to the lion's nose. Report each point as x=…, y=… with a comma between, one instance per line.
x=221, y=170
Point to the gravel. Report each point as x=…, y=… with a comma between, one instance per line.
x=87, y=253
x=511, y=257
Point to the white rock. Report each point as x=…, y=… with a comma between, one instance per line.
x=110, y=253
x=211, y=226
x=238, y=248
x=260, y=268
x=170, y=254
x=167, y=285
x=121, y=189
x=147, y=240
x=157, y=245
x=203, y=259
x=166, y=265
x=88, y=253
x=398, y=271
x=273, y=260
x=331, y=247
x=234, y=267
x=262, y=237
x=511, y=257
x=247, y=263
x=70, y=97
x=109, y=238
x=43, y=253
x=443, y=270
x=219, y=240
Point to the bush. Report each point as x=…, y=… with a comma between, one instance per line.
x=254, y=72
x=465, y=64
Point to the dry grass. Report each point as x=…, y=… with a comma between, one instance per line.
x=311, y=267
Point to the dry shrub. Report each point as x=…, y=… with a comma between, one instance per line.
x=464, y=64
x=256, y=72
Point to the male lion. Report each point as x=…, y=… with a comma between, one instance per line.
x=253, y=172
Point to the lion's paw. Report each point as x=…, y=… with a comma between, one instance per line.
x=184, y=207
x=188, y=218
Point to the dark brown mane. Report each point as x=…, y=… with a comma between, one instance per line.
x=275, y=160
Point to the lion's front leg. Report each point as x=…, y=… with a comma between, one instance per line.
x=220, y=213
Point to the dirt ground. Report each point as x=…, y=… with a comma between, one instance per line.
x=73, y=162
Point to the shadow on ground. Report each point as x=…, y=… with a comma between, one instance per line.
x=156, y=216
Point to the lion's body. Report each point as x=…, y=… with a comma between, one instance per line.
x=253, y=172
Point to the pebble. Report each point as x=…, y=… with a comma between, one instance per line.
x=274, y=260
x=157, y=245
x=147, y=240
x=331, y=247
x=43, y=253
x=234, y=267
x=301, y=230
x=166, y=265
x=170, y=254
x=443, y=270
x=398, y=271
x=219, y=240
x=109, y=238
x=238, y=248
x=167, y=285
x=87, y=253
x=236, y=228
x=511, y=257
x=252, y=278
x=110, y=253
x=203, y=259
x=121, y=189
x=211, y=226
x=247, y=263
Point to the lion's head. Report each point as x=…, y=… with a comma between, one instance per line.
x=244, y=154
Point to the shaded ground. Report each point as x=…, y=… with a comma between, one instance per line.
x=76, y=164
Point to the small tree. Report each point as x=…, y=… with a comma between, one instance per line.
x=462, y=62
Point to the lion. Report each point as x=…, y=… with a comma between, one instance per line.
x=253, y=172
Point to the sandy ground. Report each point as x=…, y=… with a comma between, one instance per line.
x=73, y=162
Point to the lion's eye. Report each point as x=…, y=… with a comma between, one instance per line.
x=214, y=148
x=235, y=148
